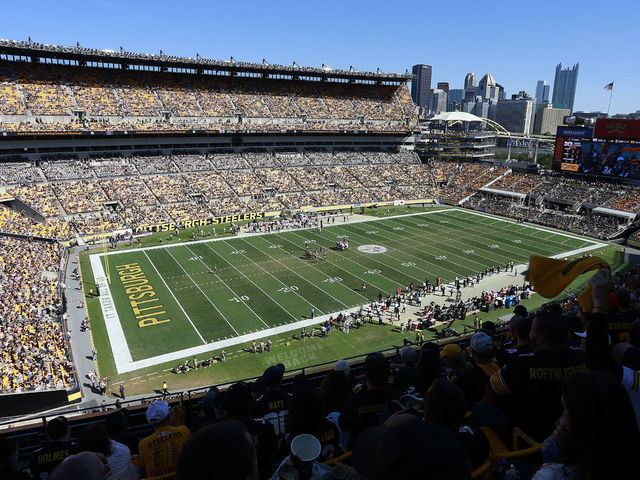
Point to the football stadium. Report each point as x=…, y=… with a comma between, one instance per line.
x=206, y=248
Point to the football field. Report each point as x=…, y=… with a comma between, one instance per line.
x=175, y=301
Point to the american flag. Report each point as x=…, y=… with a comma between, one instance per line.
x=609, y=86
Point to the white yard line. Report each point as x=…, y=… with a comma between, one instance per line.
x=527, y=252
x=240, y=235
x=202, y=292
x=239, y=297
x=535, y=227
x=419, y=282
x=359, y=264
x=221, y=344
x=253, y=283
x=122, y=355
x=478, y=238
x=334, y=264
x=309, y=264
x=423, y=258
x=298, y=275
x=117, y=338
x=174, y=297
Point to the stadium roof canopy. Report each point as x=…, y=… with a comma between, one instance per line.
x=13, y=50
x=456, y=117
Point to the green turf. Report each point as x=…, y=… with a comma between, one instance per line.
x=260, y=284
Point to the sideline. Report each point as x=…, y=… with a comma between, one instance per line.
x=122, y=356
x=119, y=346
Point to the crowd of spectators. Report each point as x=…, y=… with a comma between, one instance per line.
x=126, y=189
x=564, y=377
x=34, y=353
x=584, y=222
x=136, y=100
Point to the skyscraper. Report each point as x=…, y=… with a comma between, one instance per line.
x=470, y=81
x=444, y=86
x=542, y=92
x=564, y=86
x=438, y=102
x=421, y=86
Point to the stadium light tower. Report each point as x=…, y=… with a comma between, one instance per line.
x=232, y=60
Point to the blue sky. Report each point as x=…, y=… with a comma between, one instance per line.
x=521, y=41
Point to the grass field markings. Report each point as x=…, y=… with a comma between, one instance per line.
x=288, y=288
x=252, y=282
x=453, y=234
x=474, y=238
x=370, y=257
x=351, y=274
x=203, y=293
x=358, y=276
x=368, y=239
x=534, y=227
x=174, y=297
x=403, y=241
x=492, y=236
x=494, y=222
x=246, y=234
x=317, y=269
x=535, y=240
x=464, y=245
x=239, y=297
x=298, y=275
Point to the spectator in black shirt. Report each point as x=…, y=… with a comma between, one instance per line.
x=273, y=399
x=222, y=450
x=407, y=376
x=305, y=416
x=58, y=447
x=364, y=409
x=236, y=403
x=597, y=437
x=534, y=381
x=620, y=323
x=445, y=404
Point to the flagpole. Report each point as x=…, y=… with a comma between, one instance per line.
x=610, y=95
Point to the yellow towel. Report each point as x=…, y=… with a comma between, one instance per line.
x=549, y=276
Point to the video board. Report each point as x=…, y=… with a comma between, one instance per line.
x=577, y=150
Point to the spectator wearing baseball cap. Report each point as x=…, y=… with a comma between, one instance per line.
x=273, y=399
x=159, y=452
x=406, y=377
x=454, y=361
x=473, y=381
x=364, y=408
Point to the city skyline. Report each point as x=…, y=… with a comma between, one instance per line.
x=517, y=49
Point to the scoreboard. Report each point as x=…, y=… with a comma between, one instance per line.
x=568, y=147
x=612, y=149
